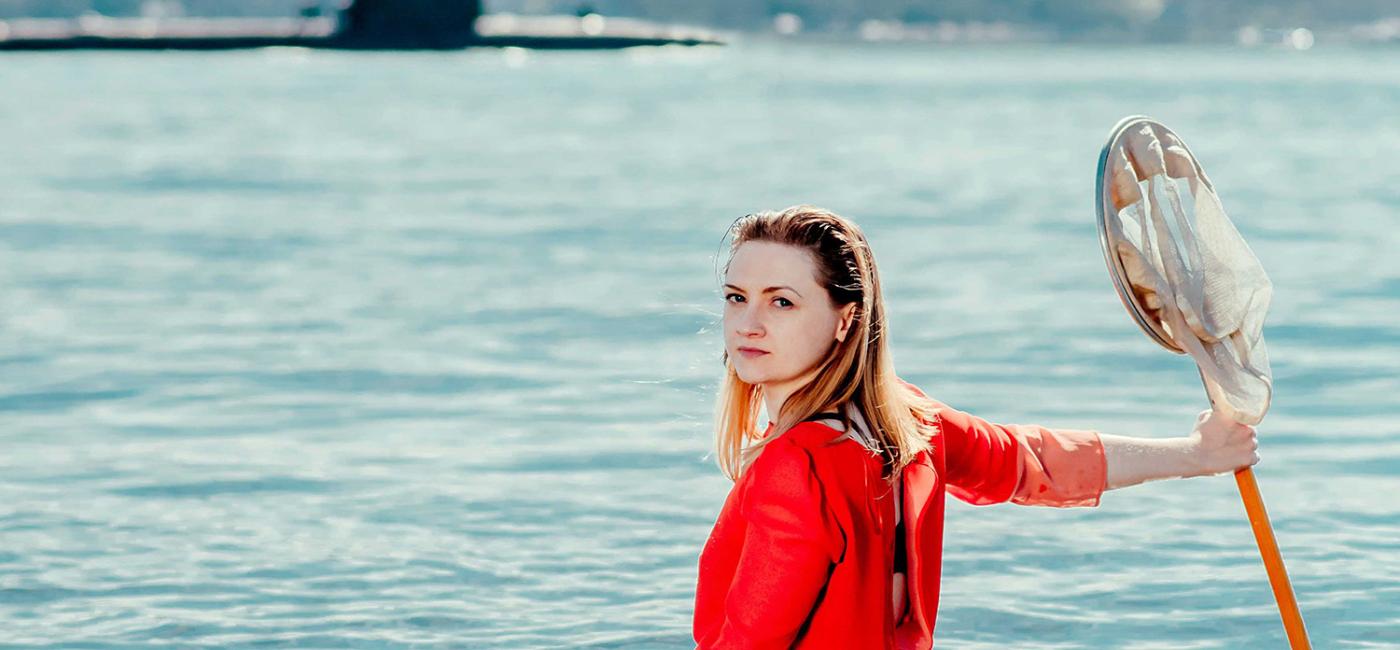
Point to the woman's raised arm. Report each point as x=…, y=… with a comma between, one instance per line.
x=1027, y=464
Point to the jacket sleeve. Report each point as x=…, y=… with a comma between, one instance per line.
x=786, y=556
x=1026, y=464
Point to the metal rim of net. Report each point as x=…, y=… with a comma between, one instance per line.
x=1109, y=243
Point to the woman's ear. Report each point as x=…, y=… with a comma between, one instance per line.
x=845, y=316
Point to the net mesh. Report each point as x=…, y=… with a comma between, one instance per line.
x=1189, y=269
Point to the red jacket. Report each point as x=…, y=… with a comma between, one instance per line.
x=802, y=553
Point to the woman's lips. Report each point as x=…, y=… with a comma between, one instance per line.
x=752, y=352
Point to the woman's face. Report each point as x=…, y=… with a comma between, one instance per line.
x=778, y=322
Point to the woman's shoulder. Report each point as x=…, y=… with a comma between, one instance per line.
x=788, y=489
x=784, y=470
x=830, y=455
x=808, y=449
x=797, y=445
x=819, y=440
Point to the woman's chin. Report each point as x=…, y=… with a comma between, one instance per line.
x=749, y=376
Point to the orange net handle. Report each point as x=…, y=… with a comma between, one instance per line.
x=1273, y=560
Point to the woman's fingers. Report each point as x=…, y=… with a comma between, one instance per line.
x=1248, y=442
x=1225, y=445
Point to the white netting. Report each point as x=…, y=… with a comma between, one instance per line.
x=1190, y=270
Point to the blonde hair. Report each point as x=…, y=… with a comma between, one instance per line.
x=858, y=369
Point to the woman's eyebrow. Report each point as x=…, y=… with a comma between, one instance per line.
x=769, y=289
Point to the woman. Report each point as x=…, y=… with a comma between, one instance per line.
x=832, y=534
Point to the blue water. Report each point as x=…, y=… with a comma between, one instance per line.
x=337, y=350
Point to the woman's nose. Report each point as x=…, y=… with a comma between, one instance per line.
x=749, y=323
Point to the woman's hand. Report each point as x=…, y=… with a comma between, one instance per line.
x=1220, y=444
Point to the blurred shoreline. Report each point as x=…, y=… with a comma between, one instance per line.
x=1294, y=24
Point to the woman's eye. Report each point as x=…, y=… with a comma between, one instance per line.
x=737, y=298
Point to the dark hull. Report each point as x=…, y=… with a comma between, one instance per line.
x=218, y=34
x=241, y=43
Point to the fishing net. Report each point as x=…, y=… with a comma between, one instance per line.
x=1180, y=266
